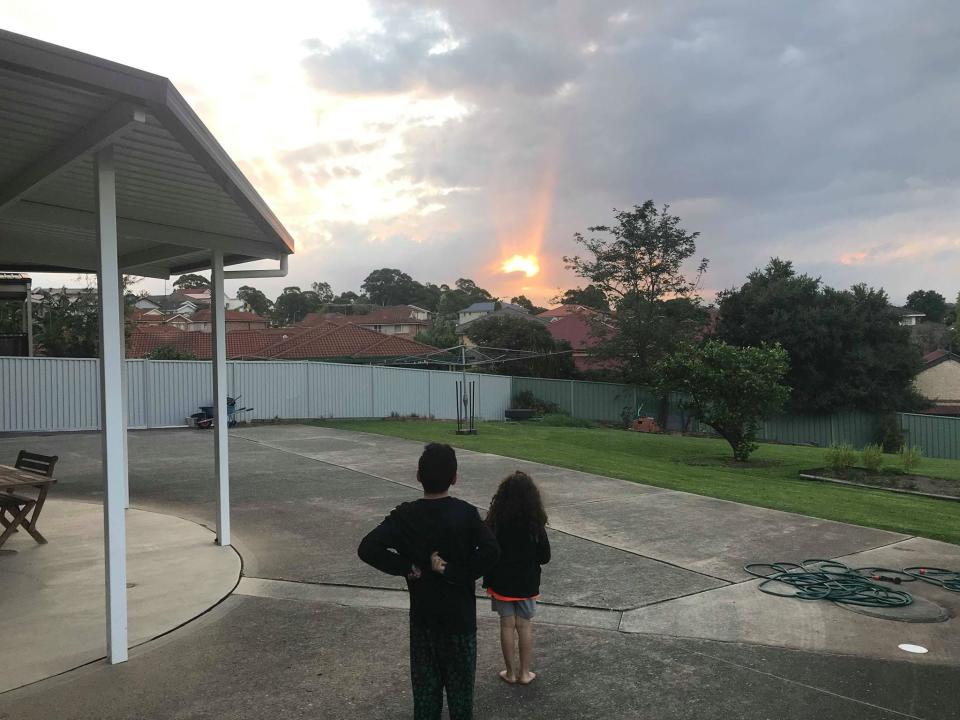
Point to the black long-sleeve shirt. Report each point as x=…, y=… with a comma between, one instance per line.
x=453, y=529
x=522, y=552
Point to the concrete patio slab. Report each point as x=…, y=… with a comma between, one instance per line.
x=711, y=536
x=259, y=657
x=741, y=613
x=52, y=596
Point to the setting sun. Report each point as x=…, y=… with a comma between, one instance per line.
x=527, y=264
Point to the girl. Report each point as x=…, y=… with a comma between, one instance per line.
x=519, y=521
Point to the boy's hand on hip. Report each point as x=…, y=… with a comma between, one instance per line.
x=414, y=573
x=438, y=563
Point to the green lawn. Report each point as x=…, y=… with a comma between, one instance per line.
x=702, y=466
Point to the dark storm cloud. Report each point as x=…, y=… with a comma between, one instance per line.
x=771, y=127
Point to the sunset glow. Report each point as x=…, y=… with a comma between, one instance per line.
x=527, y=264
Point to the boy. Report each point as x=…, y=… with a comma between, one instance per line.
x=441, y=546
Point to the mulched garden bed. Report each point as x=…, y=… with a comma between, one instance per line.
x=895, y=482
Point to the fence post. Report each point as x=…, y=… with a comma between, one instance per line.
x=429, y=393
x=147, y=400
x=373, y=400
x=572, y=413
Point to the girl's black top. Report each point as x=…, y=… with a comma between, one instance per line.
x=522, y=552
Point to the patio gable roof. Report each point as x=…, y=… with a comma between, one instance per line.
x=179, y=195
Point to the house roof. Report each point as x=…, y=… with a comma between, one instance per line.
x=178, y=193
x=503, y=312
x=230, y=315
x=325, y=341
x=938, y=356
x=395, y=314
x=565, y=310
x=908, y=311
x=489, y=306
x=576, y=329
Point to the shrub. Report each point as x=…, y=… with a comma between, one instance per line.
x=872, y=457
x=889, y=435
x=910, y=456
x=841, y=457
x=564, y=420
x=526, y=400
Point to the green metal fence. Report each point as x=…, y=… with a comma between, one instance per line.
x=938, y=437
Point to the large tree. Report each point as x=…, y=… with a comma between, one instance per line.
x=254, y=300
x=323, y=291
x=516, y=332
x=590, y=296
x=731, y=389
x=389, y=286
x=293, y=305
x=930, y=303
x=527, y=304
x=191, y=282
x=847, y=348
x=638, y=263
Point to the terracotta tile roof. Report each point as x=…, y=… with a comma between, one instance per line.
x=233, y=315
x=329, y=340
x=566, y=310
x=937, y=356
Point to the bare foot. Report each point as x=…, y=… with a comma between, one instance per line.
x=527, y=678
x=506, y=677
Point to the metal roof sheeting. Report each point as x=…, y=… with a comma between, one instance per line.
x=178, y=193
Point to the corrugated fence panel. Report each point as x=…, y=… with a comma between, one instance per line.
x=602, y=401
x=176, y=389
x=853, y=428
x=272, y=389
x=937, y=436
x=405, y=392
x=49, y=394
x=136, y=417
x=341, y=391
x=443, y=394
x=494, y=396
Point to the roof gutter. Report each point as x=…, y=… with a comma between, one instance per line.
x=280, y=272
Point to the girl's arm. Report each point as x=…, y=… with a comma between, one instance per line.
x=543, y=547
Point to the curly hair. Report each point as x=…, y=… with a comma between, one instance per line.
x=517, y=503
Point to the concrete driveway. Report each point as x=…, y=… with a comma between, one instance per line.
x=647, y=611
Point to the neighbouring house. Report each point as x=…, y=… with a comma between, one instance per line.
x=939, y=382
x=462, y=330
x=479, y=309
x=581, y=327
x=403, y=320
x=172, y=303
x=909, y=316
x=330, y=341
x=201, y=321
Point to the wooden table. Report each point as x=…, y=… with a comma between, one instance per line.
x=11, y=480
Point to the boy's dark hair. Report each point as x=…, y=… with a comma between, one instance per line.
x=517, y=504
x=437, y=467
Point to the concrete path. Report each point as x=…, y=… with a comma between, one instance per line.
x=52, y=596
x=647, y=613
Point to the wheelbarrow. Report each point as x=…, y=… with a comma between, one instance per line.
x=204, y=419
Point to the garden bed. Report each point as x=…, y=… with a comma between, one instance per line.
x=894, y=482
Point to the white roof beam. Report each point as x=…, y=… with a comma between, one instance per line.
x=94, y=136
x=60, y=216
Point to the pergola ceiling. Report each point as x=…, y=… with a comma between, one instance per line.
x=179, y=195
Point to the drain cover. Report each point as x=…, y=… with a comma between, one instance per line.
x=919, y=611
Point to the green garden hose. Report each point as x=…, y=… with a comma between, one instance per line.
x=830, y=580
x=947, y=579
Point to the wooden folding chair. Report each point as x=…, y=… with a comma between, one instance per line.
x=20, y=506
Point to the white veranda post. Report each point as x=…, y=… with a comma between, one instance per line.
x=220, y=437
x=113, y=425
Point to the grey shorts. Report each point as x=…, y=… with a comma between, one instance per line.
x=525, y=609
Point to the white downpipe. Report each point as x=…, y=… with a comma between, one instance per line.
x=220, y=433
x=281, y=272
x=111, y=408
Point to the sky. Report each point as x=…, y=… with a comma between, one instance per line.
x=447, y=138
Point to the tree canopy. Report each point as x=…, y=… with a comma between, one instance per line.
x=731, y=389
x=254, y=300
x=638, y=265
x=847, y=348
x=526, y=303
x=590, y=296
x=191, y=282
x=515, y=332
x=930, y=303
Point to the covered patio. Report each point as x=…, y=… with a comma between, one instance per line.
x=106, y=169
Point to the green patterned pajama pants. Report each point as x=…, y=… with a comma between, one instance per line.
x=440, y=660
